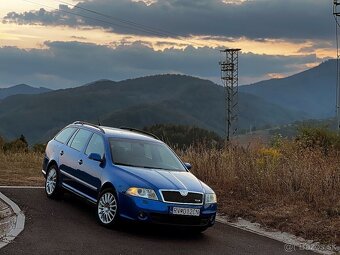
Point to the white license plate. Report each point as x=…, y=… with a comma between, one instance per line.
x=185, y=211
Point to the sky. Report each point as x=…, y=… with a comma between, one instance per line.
x=67, y=43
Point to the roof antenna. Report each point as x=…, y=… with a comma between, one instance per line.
x=98, y=122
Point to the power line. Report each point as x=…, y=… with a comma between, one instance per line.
x=125, y=23
x=147, y=28
x=77, y=14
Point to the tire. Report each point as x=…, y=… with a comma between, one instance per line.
x=52, y=187
x=107, y=208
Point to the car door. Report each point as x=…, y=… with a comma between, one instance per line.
x=66, y=165
x=91, y=170
x=73, y=159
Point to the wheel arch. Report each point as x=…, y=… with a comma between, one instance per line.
x=52, y=162
x=108, y=185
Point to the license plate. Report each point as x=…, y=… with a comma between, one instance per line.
x=185, y=211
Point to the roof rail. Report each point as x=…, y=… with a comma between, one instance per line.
x=140, y=131
x=88, y=124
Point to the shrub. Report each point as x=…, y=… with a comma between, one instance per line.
x=18, y=145
x=2, y=142
x=182, y=137
x=318, y=137
x=39, y=148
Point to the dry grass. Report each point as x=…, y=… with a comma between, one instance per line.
x=21, y=169
x=288, y=188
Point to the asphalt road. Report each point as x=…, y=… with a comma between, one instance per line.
x=69, y=226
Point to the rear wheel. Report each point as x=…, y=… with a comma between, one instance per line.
x=52, y=188
x=107, y=208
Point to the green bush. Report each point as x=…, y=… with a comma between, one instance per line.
x=39, y=148
x=318, y=137
x=182, y=137
x=15, y=146
x=2, y=142
x=18, y=145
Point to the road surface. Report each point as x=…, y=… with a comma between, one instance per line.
x=69, y=226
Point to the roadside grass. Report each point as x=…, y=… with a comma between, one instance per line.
x=22, y=168
x=286, y=187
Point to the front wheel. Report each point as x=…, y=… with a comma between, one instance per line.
x=51, y=184
x=107, y=208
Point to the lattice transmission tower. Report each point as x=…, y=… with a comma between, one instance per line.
x=229, y=77
x=336, y=13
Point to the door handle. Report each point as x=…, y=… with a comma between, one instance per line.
x=61, y=153
x=80, y=161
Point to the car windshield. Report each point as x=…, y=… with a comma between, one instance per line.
x=137, y=153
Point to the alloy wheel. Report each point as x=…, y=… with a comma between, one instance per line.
x=51, y=181
x=107, y=208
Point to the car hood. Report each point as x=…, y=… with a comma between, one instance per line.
x=164, y=179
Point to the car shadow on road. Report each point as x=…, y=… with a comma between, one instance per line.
x=142, y=230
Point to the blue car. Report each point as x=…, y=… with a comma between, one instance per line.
x=128, y=174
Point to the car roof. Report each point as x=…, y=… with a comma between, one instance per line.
x=117, y=132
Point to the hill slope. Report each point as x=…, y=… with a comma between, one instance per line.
x=312, y=91
x=21, y=89
x=139, y=102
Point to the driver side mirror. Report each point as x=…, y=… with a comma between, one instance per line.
x=188, y=166
x=96, y=157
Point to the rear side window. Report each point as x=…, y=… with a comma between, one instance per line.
x=96, y=145
x=80, y=139
x=64, y=135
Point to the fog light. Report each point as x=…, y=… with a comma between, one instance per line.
x=142, y=216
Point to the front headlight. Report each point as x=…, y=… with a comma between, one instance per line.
x=210, y=198
x=140, y=192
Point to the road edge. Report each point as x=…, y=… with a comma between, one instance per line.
x=19, y=225
x=292, y=242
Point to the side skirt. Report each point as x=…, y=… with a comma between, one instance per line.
x=79, y=193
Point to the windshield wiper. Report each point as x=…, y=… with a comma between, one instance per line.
x=150, y=167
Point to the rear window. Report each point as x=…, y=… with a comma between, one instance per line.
x=64, y=134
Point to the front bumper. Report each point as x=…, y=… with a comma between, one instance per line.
x=158, y=212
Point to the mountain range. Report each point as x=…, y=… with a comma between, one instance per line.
x=169, y=99
x=312, y=92
x=21, y=89
x=141, y=102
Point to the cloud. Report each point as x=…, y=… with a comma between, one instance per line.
x=303, y=19
x=66, y=64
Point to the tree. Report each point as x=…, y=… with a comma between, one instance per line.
x=23, y=139
x=182, y=136
x=18, y=145
x=2, y=143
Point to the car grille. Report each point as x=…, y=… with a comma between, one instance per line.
x=174, y=196
x=178, y=220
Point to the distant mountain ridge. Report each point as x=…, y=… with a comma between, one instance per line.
x=21, y=89
x=312, y=91
x=160, y=99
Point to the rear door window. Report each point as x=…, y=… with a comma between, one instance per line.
x=80, y=139
x=65, y=134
